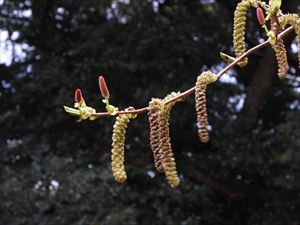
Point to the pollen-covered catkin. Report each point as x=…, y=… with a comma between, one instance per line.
x=165, y=142
x=293, y=20
x=118, y=145
x=279, y=48
x=281, y=57
x=153, y=116
x=203, y=80
x=239, y=26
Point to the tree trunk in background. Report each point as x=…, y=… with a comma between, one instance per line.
x=261, y=84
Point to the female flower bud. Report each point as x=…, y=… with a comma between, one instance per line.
x=103, y=87
x=260, y=16
x=78, y=96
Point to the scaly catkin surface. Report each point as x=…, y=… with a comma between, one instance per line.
x=165, y=142
x=153, y=116
x=203, y=80
x=293, y=20
x=165, y=146
x=281, y=55
x=118, y=146
x=239, y=26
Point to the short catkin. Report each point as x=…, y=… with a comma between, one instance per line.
x=280, y=51
x=239, y=26
x=165, y=142
x=153, y=116
x=203, y=80
x=118, y=146
x=293, y=20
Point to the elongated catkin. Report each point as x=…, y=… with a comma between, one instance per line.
x=280, y=51
x=239, y=26
x=293, y=20
x=153, y=116
x=281, y=57
x=118, y=146
x=203, y=80
x=165, y=143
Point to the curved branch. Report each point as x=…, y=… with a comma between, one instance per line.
x=191, y=90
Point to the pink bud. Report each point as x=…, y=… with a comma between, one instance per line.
x=78, y=96
x=260, y=16
x=103, y=87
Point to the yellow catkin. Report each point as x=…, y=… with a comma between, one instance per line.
x=165, y=142
x=293, y=20
x=153, y=116
x=239, y=26
x=281, y=57
x=279, y=48
x=118, y=145
x=203, y=80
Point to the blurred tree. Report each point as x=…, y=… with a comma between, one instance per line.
x=56, y=171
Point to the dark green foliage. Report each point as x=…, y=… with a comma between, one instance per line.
x=56, y=171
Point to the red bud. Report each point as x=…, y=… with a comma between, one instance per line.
x=260, y=16
x=78, y=96
x=103, y=87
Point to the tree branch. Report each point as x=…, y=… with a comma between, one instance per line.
x=190, y=91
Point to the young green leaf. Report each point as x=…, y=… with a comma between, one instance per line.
x=275, y=4
x=72, y=111
x=226, y=57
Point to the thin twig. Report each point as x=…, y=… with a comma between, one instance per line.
x=191, y=90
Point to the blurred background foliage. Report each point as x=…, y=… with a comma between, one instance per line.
x=56, y=171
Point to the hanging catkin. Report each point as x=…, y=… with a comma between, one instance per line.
x=239, y=25
x=169, y=164
x=293, y=20
x=153, y=116
x=281, y=57
x=203, y=80
x=279, y=48
x=118, y=145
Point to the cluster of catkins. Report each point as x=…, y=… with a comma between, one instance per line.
x=159, y=109
x=160, y=143
x=158, y=114
x=278, y=21
x=159, y=140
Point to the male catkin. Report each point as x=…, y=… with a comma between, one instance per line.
x=203, y=80
x=293, y=20
x=239, y=25
x=281, y=57
x=165, y=142
x=153, y=116
x=118, y=145
x=279, y=48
